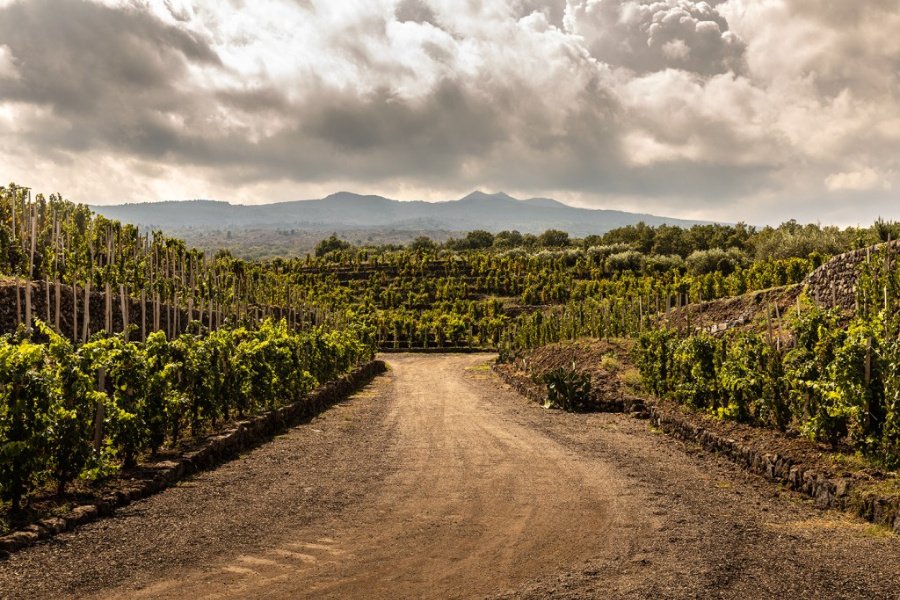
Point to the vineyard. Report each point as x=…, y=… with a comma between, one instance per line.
x=829, y=374
x=120, y=342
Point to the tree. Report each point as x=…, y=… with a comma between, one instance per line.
x=331, y=244
x=554, y=238
x=474, y=240
x=508, y=239
x=479, y=239
x=423, y=243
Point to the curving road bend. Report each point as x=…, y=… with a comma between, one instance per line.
x=437, y=482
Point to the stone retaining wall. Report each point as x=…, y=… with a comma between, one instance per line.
x=826, y=492
x=218, y=448
x=834, y=283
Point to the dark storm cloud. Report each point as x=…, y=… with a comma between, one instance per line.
x=75, y=55
x=112, y=78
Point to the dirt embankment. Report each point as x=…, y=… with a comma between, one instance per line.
x=438, y=482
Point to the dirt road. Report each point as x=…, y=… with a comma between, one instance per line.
x=436, y=482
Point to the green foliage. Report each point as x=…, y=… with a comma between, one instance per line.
x=71, y=412
x=567, y=389
x=753, y=383
x=153, y=391
x=506, y=291
x=331, y=244
x=837, y=383
x=695, y=363
x=554, y=238
x=792, y=240
x=25, y=389
x=654, y=359
x=423, y=243
x=715, y=260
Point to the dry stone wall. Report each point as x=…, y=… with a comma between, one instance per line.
x=833, y=284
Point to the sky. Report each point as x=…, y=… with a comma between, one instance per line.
x=737, y=110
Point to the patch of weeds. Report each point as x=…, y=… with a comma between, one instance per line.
x=856, y=462
x=631, y=379
x=877, y=532
x=610, y=363
x=480, y=368
x=567, y=389
x=888, y=488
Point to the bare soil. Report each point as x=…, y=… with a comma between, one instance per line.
x=438, y=482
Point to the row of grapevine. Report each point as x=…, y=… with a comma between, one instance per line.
x=68, y=411
x=148, y=282
x=838, y=381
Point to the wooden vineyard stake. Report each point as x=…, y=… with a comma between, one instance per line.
x=30, y=273
x=100, y=414
x=124, y=304
x=86, y=321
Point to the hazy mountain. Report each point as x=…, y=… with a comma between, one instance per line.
x=344, y=211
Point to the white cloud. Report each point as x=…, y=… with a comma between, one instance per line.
x=857, y=181
x=8, y=68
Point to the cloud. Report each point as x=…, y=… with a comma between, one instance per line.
x=8, y=69
x=414, y=10
x=739, y=109
x=857, y=181
x=652, y=36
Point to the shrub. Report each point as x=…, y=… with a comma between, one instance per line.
x=568, y=390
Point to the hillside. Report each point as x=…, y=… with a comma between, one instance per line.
x=346, y=211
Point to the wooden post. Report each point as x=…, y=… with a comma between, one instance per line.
x=86, y=330
x=74, y=311
x=57, y=293
x=123, y=298
x=778, y=323
x=18, y=302
x=868, y=376
x=28, y=292
x=46, y=281
x=107, y=306
x=56, y=284
x=101, y=411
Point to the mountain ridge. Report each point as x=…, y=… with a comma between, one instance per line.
x=348, y=210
